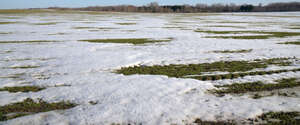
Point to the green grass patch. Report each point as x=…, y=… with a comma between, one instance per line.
x=129, y=30
x=280, y=118
x=93, y=102
x=134, y=41
x=218, y=32
x=24, y=67
x=234, y=51
x=237, y=88
x=96, y=30
x=58, y=34
x=294, y=28
x=229, y=26
x=29, y=106
x=7, y=23
x=276, y=61
x=4, y=33
x=126, y=23
x=50, y=23
x=242, y=37
x=22, y=89
x=239, y=75
x=191, y=69
x=13, y=76
x=281, y=92
x=269, y=118
x=294, y=43
x=200, y=122
x=183, y=70
x=266, y=35
x=29, y=41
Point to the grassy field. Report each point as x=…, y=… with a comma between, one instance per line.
x=29, y=107
x=22, y=89
x=237, y=88
x=197, y=69
x=83, y=67
x=134, y=41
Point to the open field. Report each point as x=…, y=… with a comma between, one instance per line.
x=78, y=68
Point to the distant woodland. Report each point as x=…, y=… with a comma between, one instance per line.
x=156, y=8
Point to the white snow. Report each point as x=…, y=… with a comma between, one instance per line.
x=147, y=99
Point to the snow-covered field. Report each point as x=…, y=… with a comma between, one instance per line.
x=81, y=72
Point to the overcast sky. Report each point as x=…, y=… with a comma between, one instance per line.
x=12, y=4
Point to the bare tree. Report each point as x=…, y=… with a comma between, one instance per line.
x=154, y=7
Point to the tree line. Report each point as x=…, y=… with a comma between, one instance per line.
x=154, y=7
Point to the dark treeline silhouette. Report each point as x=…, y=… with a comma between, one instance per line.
x=155, y=8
